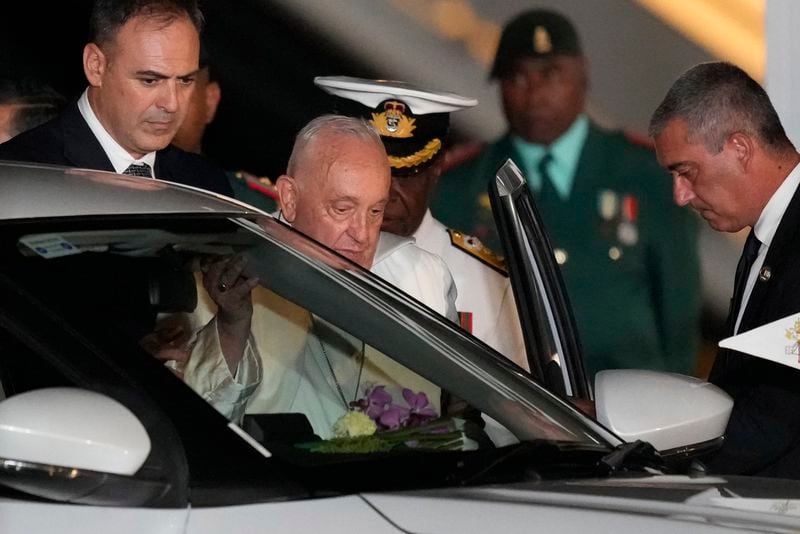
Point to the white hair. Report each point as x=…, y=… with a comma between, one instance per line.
x=327, y=125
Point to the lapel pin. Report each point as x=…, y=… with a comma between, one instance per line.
x=765, y=274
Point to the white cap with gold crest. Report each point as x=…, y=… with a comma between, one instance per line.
x=412, y=121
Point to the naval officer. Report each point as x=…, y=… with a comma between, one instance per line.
x=413, y=124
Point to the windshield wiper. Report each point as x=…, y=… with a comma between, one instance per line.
x=636, y=455
x=541, y=459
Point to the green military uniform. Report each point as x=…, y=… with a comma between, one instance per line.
x=628, y=254
x=244, y=191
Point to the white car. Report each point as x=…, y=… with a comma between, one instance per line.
x=96, y=435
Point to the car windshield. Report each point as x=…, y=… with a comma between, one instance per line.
x=328, y=339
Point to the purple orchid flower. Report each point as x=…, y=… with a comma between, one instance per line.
x=419, y=410
x=393, y=418
x=378, y=402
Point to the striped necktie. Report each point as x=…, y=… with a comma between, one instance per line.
x=139, y=169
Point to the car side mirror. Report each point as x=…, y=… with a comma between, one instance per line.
x=676, y=414
x=74, y=445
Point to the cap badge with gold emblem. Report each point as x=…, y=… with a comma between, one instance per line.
x=541, y=40
x=393, y=122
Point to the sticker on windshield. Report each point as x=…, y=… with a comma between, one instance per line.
x=49, y=245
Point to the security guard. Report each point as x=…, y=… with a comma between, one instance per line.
x=628, y=255
x=413, y=124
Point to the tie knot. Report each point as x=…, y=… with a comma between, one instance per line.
x=138, y=169
x=544, y=163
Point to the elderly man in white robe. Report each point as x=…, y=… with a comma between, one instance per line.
x=335, y=191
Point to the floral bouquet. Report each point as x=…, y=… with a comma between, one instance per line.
x=377, y=424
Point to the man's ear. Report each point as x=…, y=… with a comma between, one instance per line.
x=287, y=196
x=95, y=64
x=213, y=95
x=743, y=147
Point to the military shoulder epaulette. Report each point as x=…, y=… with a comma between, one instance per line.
x=260, y=184
x=462, y=154
x=476, y=249
x=639, y=139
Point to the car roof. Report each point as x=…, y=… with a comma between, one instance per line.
x=32, y=191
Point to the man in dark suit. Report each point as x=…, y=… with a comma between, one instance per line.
x=140, y=63
x=718, y=134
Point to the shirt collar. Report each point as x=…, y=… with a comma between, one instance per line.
x=427, y=225
x=771, y=216
x=565, y=150
x=120, y=159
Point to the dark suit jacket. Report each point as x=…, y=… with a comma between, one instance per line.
x=67, y=140
x=763, y=435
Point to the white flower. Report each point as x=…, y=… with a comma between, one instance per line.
x=354, y=424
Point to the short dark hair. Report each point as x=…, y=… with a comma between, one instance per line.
x=108, y=16
x=35, y=103
x=716, y=100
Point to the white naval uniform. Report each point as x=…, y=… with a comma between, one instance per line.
x=283, y=373
x=420, y=273
x=482, y=291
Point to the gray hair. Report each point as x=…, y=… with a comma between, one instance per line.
x=328, y=125
x=717, y=100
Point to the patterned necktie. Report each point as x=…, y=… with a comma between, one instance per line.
x=138, y=169
x=749, y=255
x=547, y=193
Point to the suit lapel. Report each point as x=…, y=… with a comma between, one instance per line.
x=81, y=147
x=162, y=167
x=592, y=166
x=775, y=265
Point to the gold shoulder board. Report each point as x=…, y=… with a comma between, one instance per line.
x=476, y=249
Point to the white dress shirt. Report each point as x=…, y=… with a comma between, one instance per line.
x=765, y=229
x=120, y=159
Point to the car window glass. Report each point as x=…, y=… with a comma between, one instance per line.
x=327, y=337
x=36, y=353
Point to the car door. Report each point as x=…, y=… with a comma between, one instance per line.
x=551, y=337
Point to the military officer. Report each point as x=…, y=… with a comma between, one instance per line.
x=413, y=124
x=627, y=254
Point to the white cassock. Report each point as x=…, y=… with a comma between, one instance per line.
x=485, y=298
x=287, y=364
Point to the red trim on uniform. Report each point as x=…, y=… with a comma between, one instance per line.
x=460, y=154
x=465, y=321
x=640, y=140
x=263, y=189
x=630, y=208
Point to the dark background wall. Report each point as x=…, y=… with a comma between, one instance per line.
x=264, y=58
